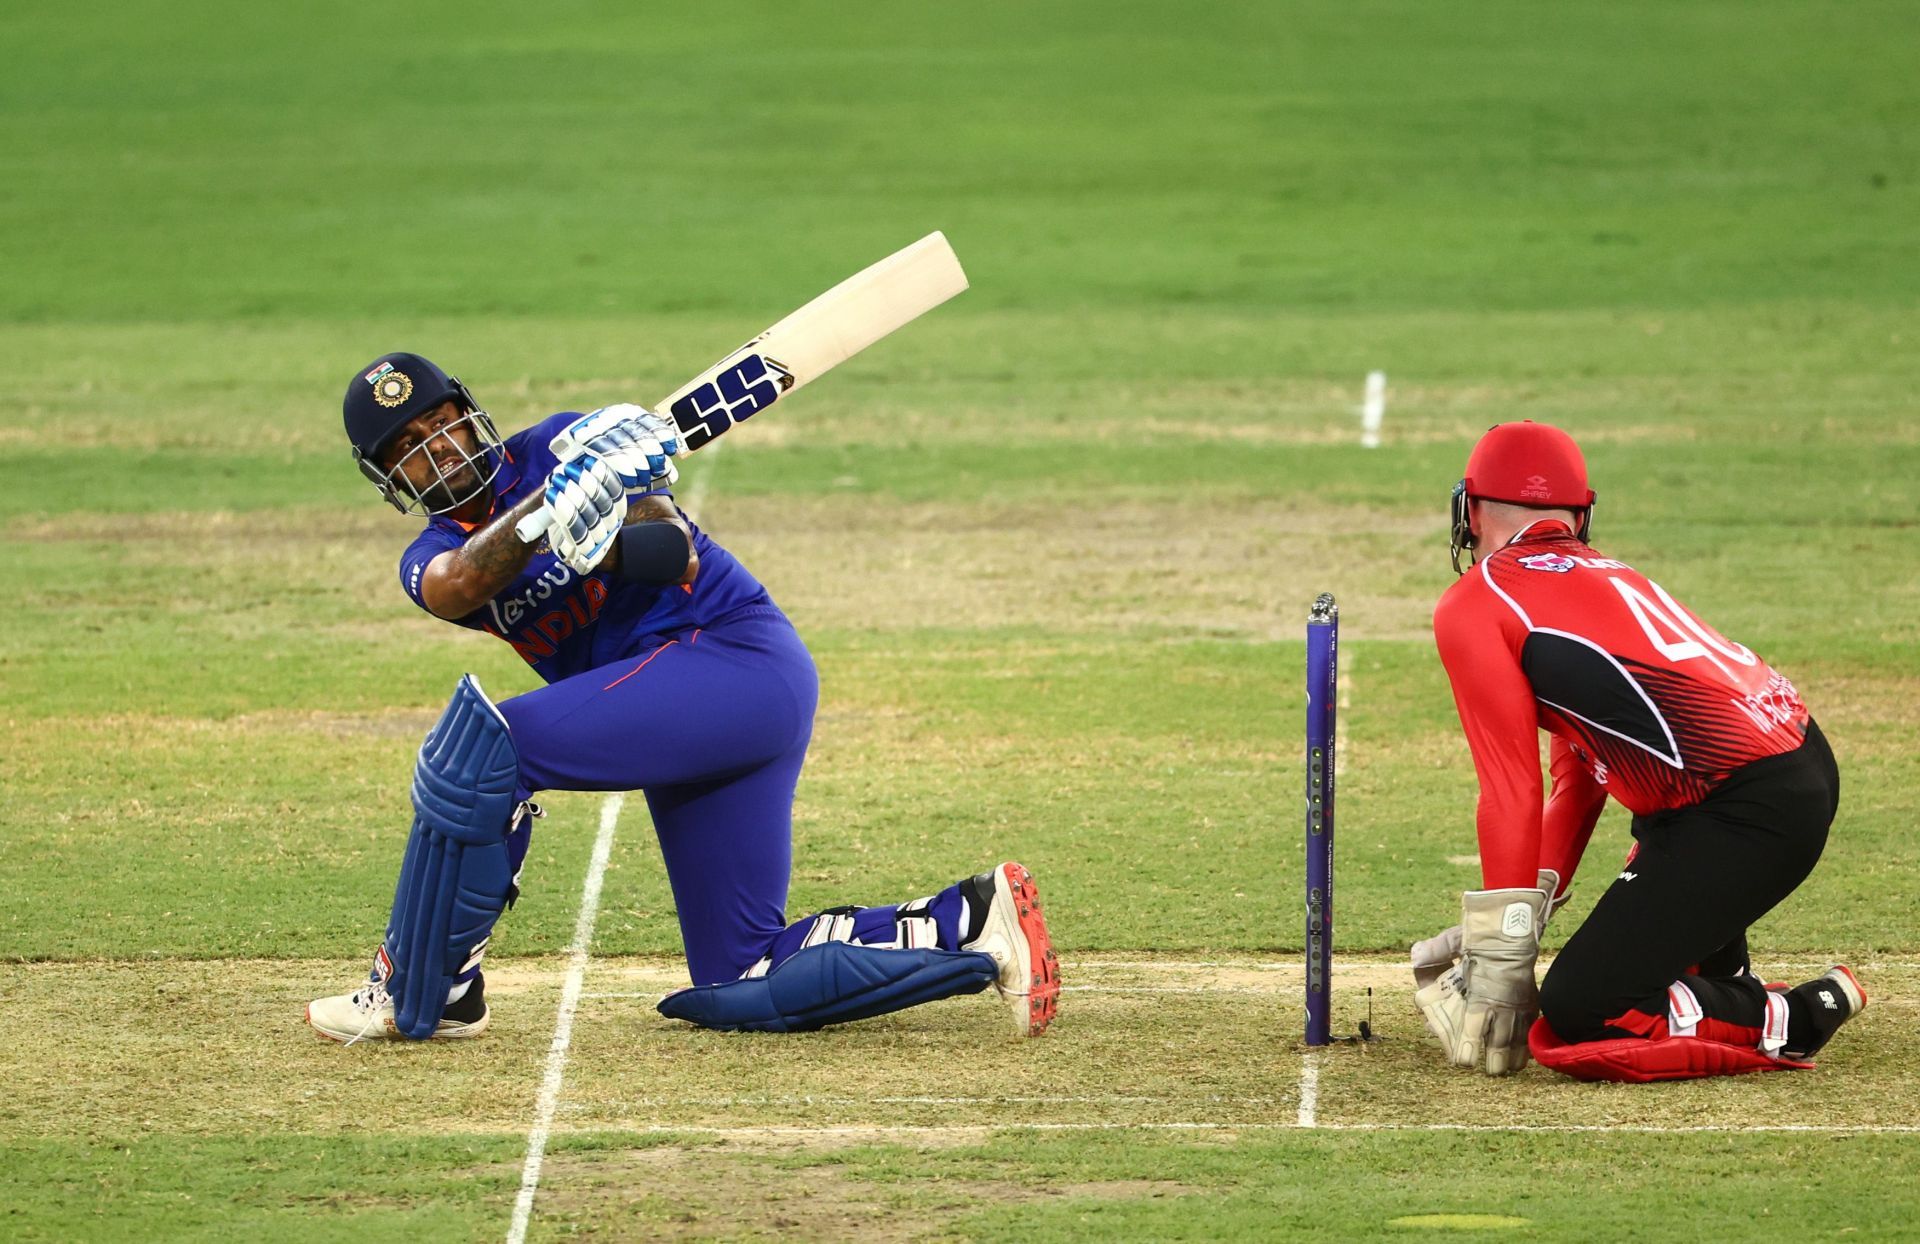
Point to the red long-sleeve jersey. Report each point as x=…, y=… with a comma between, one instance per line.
x=1642, y=699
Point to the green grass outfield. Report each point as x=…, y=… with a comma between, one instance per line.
x=1052, y=549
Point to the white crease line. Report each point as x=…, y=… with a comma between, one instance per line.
x=1385, y=959
x=1822, y=964
x=1349, y=963
x=1309, y=1109
x=1373, y=409
x=1190, y=965
x=655, y=995
x=812, y=1099
x=1264, y=993
x=1113, y=989
x=556, y=1071
x=1652, y=1129
x=985, y=1129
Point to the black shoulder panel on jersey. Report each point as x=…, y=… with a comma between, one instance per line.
x=1583, y=681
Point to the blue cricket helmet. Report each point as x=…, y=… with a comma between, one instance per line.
x=386, y=395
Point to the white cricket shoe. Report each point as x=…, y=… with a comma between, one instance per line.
x=367, y=1015
x=1014, y=932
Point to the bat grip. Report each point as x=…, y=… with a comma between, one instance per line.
x=534, y=525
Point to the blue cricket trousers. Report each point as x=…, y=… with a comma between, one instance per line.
x=712, y=724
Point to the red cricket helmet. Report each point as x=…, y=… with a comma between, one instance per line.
x=1524, y=463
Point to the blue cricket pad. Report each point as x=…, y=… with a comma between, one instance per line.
x=832, y=983
x=456, y=876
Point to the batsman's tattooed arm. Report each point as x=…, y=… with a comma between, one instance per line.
x=461, y=580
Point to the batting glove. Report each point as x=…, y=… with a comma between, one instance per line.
x=1484, y=1007
x=588, y=503
x=634, y=441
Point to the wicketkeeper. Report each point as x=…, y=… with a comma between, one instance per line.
x=668, y=670
x=1731, y=785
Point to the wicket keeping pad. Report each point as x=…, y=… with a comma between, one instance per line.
x=1637, y=1060
x=832, y=983
x=455, y=877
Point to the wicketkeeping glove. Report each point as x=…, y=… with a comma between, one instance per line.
x=589, y=503
x=1485, y=1006
x=1437, y=955
x=634, y=441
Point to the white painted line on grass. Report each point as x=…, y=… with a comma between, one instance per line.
x=1308, y=1112
x=1264, y=993
x=556, y=1071
x=1373, y=410
x=985, y=1129
x=657, y=994
x=1384, y=959
x=1188, y=965
x=1355, y=960
x=819, y=1099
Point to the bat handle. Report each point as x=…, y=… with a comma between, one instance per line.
x=534, y=525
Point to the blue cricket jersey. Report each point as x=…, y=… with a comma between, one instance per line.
x=564, y=623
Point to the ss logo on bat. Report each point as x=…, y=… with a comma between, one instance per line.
x=737, y=392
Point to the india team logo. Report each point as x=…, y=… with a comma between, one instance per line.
x=390, y=387
x=1554, y=563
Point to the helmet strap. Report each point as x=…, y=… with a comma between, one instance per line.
x=1461, y=538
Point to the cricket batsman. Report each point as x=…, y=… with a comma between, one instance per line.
x=667, y=669
x=1731, y=785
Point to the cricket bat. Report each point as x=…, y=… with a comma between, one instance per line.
x=804, y=346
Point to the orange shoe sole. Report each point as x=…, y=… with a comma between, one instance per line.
x=1043, y=989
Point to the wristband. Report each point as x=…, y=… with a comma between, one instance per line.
x=655, y=554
